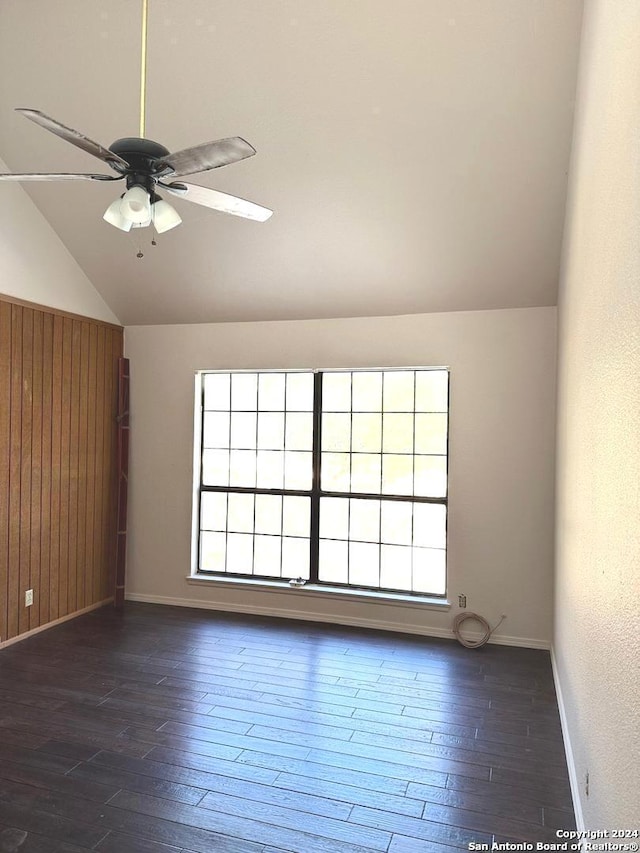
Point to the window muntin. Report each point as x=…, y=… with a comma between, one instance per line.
x=363, y=452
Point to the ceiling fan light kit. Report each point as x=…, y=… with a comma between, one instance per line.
x=165, y=217
x=113, y=216
x=145, y=165
x=136, y=205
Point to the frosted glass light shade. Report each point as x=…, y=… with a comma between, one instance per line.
x=113, y=216
x=144, y=224
x=165, y=217
x=135, y=205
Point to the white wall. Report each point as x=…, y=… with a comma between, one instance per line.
x=34, y=263
x=597, y=621
x=502, y=438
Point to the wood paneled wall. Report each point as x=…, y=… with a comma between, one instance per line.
x=58, y=399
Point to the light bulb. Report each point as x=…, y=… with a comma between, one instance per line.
x=113, y=216
x=136, y=205
x=164, y=216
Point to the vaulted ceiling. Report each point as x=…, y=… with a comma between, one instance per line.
x=415, y=153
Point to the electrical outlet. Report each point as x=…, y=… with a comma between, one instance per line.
x=586, y=784
x=28, y=598
x=462, y=601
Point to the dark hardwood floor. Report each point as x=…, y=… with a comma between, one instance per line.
x=166, y=730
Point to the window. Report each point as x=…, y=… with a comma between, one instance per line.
x=337, y=478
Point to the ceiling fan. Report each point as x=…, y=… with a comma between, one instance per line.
x=145, y=166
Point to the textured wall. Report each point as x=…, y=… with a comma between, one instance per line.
x=597, y=624
x=501, y=467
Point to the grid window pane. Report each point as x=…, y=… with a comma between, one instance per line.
x=213, y=511
x=398, y=391
x=213, y=547
x=366, y=433
x=364, y=520
x=240, y=553
x=366, y=473
x=333, y=561
x=216, y=429
x=299, y=432
x=430, y=476
x=268, y=517
x=336, y=392
x=242, y=471
x=243, y=430
x=397, y=435
x=244, y=392
x=298, y=470
x=271, y=392
x=299, y=392
x=397, y=474
x=367, y=391
x=395, y=567
x=335, y=472
x=295, y=557
x=217, y=391
x=334, y=518
x=336, y=432
x=364, y=564
x=432, y=391
x=270, y=474
x=430, y=525
x=215, y=467
x=431, y=433
x=271, y=430
x=396, y=521
x=240, y=513
x=267, y=556
x=296, y=516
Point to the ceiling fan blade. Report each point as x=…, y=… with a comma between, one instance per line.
x=56, y=176
x=75, y=138
x=219, y=201
x=210, y=155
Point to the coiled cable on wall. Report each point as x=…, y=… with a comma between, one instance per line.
x=488, y=630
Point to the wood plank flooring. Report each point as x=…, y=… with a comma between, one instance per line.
x=167, y=730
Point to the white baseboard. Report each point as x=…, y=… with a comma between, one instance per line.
x=357, y=622
x=55, y=622
x=568, y=749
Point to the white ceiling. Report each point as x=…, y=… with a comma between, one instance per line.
x=415, y=153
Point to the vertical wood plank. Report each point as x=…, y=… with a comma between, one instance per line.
x=91, y=596
x=56, y=466
x=25, y=467
x=45, y=490
x=98, y=541
x=108, y=426
x=74, y=467
x=5, y=451
x=65, y=466
x=82, y=466
x=117, y=354
x=14, y=471
x=33, y=612
x=123, y=480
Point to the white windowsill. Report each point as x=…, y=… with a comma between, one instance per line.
x=394, y=598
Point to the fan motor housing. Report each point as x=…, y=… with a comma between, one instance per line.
x=142, y=155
